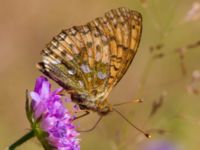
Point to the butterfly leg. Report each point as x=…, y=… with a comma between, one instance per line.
x=93, y=127
x=83, y=115
x=66, y=91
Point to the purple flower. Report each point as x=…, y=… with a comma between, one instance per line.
x=160, y=145
x=50, y=120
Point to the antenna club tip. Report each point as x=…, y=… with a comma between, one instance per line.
x=138, y=101
x=147, y=135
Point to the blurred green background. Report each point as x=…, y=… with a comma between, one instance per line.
x=165, y=70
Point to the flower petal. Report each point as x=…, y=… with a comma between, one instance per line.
x=35, y=97
x=45, y=90
x=38, y=84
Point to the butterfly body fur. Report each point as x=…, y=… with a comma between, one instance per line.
x=91, y=59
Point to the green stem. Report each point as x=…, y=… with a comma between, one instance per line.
x=23, y=139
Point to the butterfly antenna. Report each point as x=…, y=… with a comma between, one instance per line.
x=131, y=101
x=95, y=125
x=140, y=130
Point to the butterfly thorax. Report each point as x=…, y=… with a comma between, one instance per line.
x=101, y=106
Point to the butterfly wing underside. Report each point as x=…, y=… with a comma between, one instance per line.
x=91, y=59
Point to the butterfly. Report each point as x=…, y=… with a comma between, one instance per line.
x=89, y=60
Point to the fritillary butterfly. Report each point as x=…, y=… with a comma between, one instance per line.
x=89, y=60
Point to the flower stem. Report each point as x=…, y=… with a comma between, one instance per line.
x=23, y=139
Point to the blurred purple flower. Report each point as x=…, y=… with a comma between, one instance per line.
x=160, y=145
x=50, y=120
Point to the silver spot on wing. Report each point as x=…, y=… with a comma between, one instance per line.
x=101, y=75
x=85, y=68
x=72, y=71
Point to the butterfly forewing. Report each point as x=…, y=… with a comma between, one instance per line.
x=91, y=59
x=133, y=32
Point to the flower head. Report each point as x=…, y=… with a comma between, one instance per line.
x=50, y=120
